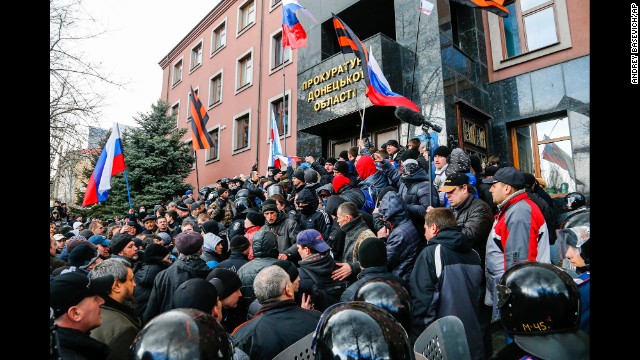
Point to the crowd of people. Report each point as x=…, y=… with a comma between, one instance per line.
x=263, y=261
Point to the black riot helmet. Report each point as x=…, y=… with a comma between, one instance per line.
x=573, y=201
x=359, y=330
x=243, y=193
x=537, y=299
x=242, y=203
x=182, y=334
x=390, y=296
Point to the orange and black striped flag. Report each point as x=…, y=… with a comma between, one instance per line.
x=350, y=43
x=199, y=135
x=497, y=7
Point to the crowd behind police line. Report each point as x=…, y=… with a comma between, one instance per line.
x=444, y=235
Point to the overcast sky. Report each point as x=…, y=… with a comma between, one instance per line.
x=138, y=34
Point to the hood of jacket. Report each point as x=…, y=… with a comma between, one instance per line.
x=419, y=176
x=211, y=240
x=366, y=167
x=393, y=208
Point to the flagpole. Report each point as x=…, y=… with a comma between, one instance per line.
x=415, y=60
x=284, y=103
x=126, y=177
x=195, y=153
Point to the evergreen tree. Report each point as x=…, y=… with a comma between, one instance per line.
x=157, y=163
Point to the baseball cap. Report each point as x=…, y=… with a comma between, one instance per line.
x=100, y=240
x=312, y=238
x=69, y=289
x=454, y=180
x=508, y=175
x=58, y=237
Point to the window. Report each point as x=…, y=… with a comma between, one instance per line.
x=281, y=114
x=212, y=154
x=531, y=24
x=544, y=149
x=246, y=14
x=196, y=56
x=219, y=37
x=534, y=28
x=175, y=111
x=241, y=131
x=279, y=54
x=195, y=90
x=215, y=89
x=177, y=72
x=273, y=4
x=244, y=71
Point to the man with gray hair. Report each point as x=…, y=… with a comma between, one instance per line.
x=120, y=321
x=279, y=316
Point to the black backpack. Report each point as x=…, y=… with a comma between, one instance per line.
x=325, y=293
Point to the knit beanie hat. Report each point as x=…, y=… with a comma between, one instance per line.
x=311, y=176
x=342, y=167
x=299, y=174
x=269, y=205
x=227, y=281
x=344, y=154
x=239, y=243
x=166, y=238
x=333, y=202
x=211, y=226
x=196, y=293
x=409, y=154
x=331, y=160
x=119, y=242
x=256, y=218
x=155, y=253
x=81, y=255
x=442, y=151
x=290, y=268
x=372, y=252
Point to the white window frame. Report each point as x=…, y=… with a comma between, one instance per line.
x=197, y=91
x=173, y=72
x=210, y=97
x=235, y=151
x=214, y=51
x=495, y=37
x=208, y=151
x=272, y=51
x=195, y=67
x=190, y=143
x=238, y=88
x=270, y=106
x=241, y=30
x=177, y=103
x=274, y=5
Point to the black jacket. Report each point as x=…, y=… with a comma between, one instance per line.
x=234, y=262
x=274, y=328
x=144, y=277
x=368, y=274
x=474, y=215
x=76, y=345
x=321, y=265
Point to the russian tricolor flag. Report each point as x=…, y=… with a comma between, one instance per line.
x=293, y=33
x=110, y=163
x=276, y=159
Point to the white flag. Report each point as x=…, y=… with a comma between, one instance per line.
x=426, y=7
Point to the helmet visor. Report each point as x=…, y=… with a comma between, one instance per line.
x=571, y=237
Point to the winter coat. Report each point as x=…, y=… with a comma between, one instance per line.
x=368, y=274
x=274, y=328
x=167, y=281
x=120, y=325
x=455, y=292
x=234, y=262
x=265, y=251
x=402, y=243
x=369, y=174
x=474, y=215
x=321, y=265
x=415, y=190
x=144, y=277
x=78, y=345
x=355, y=232
x=519, y=234
x=286, y=231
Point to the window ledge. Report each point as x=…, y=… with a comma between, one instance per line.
x=214, y=105
x=195, y=68
x=281, y=66
x=238, y=151
x=243, y=88
x=217, y=51
x=176, y=83
x=211, y=161
x=245, y=29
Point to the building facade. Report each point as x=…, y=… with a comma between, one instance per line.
x=515, y=87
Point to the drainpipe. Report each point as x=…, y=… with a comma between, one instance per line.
x=166, y=96
x=259, y=78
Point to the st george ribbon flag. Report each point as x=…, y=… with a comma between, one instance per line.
x=378, y=89
x=293, y=33
x=497, y=7
x=200, y=138
x=110, y=163
x=276, y=159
